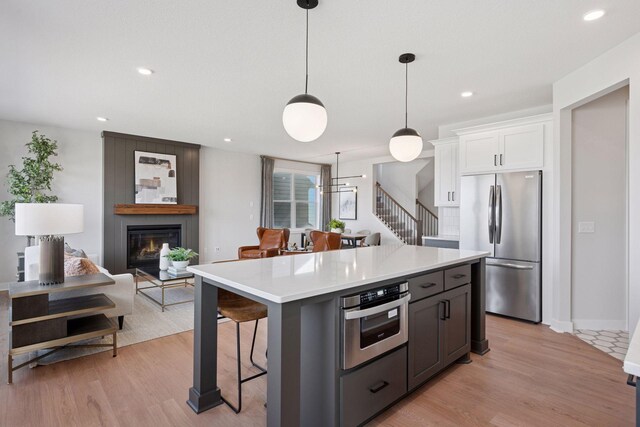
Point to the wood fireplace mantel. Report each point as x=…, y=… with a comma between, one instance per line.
x=154, y=209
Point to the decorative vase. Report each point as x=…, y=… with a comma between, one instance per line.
x=180, y=265
x=164, y=261
x=337, y=230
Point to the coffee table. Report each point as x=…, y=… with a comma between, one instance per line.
x=162, y=280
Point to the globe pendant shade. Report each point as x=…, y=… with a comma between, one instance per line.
x=304, y=118
x=405, y=145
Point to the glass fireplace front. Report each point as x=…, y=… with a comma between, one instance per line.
x=145, y=241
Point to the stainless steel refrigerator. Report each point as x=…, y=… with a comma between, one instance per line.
x=502, y=213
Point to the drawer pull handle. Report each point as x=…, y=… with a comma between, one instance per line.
x=376, y=388
x=458, y=276
x=427, y=285
x=630, y=381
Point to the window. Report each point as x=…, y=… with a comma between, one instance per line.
x=296, y=200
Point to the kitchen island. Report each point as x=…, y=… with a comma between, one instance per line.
x=632, y=367
x=309, y=380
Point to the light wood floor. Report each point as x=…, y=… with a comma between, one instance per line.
x=531, y=376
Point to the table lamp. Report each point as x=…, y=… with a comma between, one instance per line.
x=49, y=221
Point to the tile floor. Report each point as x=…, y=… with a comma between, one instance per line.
x=614, y=343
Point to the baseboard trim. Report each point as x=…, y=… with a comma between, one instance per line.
x=600, y=325
x=561, y=326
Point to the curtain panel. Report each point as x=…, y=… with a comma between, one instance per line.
x=325, y=182
x=266, y=202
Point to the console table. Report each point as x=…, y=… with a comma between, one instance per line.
x=38, y=322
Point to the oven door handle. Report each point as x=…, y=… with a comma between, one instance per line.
x=358, y=314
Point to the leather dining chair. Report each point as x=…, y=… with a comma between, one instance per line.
x=325, y=241
x=272, y=240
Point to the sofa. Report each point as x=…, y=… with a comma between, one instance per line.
x=121, y=293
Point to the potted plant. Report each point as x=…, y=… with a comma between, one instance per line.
x=336, y=226
x=32, y=183
x=180, y=257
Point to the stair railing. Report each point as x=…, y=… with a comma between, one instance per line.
x=428, y=218
x=398, y=219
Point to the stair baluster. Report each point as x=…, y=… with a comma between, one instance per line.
x=429, y=219
x=404, y=225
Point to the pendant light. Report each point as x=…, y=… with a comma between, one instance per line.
x=336, y=186
x=406, y=143
x=304, y=117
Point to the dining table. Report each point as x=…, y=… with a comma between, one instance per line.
x=353, y=239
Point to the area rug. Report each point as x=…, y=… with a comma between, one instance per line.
x=147, y=322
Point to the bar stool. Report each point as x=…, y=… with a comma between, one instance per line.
x=240, y=309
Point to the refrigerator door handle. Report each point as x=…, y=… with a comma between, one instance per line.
x=491, y=213
x=498, y=209
x=510, y=265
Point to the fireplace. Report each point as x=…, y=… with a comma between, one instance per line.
x=145, y=241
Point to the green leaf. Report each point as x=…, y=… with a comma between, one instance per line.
x=31, y=183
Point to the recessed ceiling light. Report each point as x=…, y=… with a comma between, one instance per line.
x=145, y=71
x=466, y=94
x=228, y=140
x=102, y=119
x=593, y=15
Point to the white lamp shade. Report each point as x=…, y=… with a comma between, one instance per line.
x=304, y=118
x=48, y=219
x=405, y=145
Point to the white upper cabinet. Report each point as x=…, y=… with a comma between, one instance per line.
x=479, y=152
x=446, y=179
x=505, y=146
x=522, y=147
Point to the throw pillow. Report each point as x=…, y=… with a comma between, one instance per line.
x=76, y=266
x=79, y=253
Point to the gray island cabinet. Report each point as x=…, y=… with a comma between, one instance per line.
x=433, y=297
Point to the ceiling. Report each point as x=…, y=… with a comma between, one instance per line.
x=227, y=68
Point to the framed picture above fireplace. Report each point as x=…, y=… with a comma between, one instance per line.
x=155, y=176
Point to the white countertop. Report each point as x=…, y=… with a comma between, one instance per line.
x=451, y=237
x=284, y=279
x=632, y=359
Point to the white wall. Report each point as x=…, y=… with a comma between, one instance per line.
x=400, y=180
x=80, y=154
x=426, y=190
x=599, y=195
x=615, y=68
x=229, y=202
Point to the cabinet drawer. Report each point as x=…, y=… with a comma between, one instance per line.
x=426, y=285
x=457, y=276
x=367, y=391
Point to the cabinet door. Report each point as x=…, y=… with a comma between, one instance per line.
x=479, y=152
x=442, y=175
x=522, y=147
x=457, y=324
x=455, y=175
x=425, y=339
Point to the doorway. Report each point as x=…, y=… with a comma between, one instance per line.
x=599, y=215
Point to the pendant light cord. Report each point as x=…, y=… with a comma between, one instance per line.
x=406, y=93
x=306, y=59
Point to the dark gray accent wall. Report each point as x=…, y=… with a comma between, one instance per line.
x=119, y=187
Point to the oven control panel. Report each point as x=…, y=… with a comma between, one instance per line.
x=377, y=294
